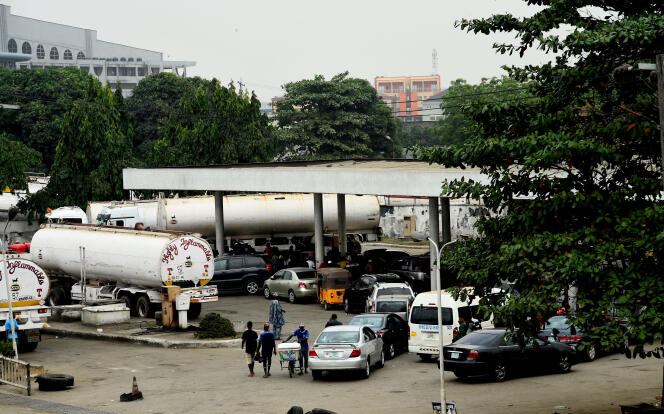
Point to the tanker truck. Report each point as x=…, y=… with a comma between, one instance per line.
x=28, y=287
x=123, y=263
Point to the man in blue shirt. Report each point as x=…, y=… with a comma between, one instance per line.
x=8, y=329
x=303, y=339
x=266, y=347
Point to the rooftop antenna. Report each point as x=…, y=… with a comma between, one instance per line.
x=434, y=62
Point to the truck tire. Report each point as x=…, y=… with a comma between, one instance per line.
x=126, y=297
x=56, y=297
x=142, y=307
x=27, y=346
x=194, y=311
x=55, y=382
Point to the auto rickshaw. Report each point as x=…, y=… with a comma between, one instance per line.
x=331, y=284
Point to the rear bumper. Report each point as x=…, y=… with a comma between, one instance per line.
x=467, y=367
x=423, y=349
x=337, y=364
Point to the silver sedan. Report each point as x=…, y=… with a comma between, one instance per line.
x=295, y=283
x=346, y=347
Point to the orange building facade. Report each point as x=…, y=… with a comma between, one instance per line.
x=404, y=94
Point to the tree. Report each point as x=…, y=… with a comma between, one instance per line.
x=91, y=154
x=214, y=125
x=339, y=118
x=16, y=159
x=574, y=173
x=151, y=104
x=45, y=95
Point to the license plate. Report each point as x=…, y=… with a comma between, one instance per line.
x=454, y=355
x=430, y=335
x=333, y=354
x=33, y=337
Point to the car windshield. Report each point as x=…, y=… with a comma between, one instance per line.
x=371, y=321
x=339, y=337
x=391, y=306
x=428, y=315
x=557, y=322
x=306, y=275
x=393, y=291
x=478, y=338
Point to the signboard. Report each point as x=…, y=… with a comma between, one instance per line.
x=187, y=259
x=28, y=283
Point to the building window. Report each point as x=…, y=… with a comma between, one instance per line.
x=154, y=69
x=130, y=59
x=85, y=69
x=111, y=71
x=25, y=48
x=99, y=70
x=11, y=46
x=123, y=60
x=114, y=59
x=127, y=71
x=54, y=53
x=80, y=55
x=139, y=59
x=141, y=71
x=68, y=55
x=37, y=67
x=40, y=52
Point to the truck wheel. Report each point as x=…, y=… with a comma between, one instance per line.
x=142, y=307
x=56, y=297
x=55, y=382
x=126, y=297
x=194, y=311
x=251, y=287
x=27, y=346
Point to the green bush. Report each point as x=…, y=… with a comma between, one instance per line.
x=6, y=349
x=214, y=325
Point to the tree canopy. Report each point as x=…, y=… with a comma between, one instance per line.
x=339, y=118
x=575, y=173
x=16, y=159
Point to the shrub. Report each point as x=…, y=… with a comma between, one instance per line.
x=6, y=349
x=214, y=325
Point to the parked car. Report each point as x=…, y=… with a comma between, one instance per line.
x=494, y=352
x=295, y=283
x=346, y=347
x=388, y=326
x=558, y=329
x=413, y=269
x=355, y=295
x=241, y=272
x=397, y=304
x=386, y=289
x=380, y=258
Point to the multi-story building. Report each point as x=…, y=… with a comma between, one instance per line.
x=404, y=94
x=47, y=44
x=432, y=107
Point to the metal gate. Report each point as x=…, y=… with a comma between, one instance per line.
x=14, y=372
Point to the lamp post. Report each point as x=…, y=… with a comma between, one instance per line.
x=443, y=401
x=389, y=138
x=11, y=213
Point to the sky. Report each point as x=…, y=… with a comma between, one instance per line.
x=266, y=44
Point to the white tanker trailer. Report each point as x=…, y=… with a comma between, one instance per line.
x=29, y=287
x=123, y=263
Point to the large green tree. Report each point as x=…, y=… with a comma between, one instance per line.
x=574, y=172
x=214, y=125
x=15, y=160
x=45, y=96
x=339, y=118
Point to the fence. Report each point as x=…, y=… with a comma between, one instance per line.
x=14, y=372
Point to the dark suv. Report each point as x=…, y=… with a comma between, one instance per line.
x=414, y=270
x=356, y=294
x=241, y=272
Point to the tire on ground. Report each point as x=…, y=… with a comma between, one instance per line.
x=54, y=382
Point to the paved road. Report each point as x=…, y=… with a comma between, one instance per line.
x=215, y=380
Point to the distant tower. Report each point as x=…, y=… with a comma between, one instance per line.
x=434, y=62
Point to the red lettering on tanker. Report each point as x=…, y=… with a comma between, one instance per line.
x=170, y=253
x=12, y=265
x=185, y=243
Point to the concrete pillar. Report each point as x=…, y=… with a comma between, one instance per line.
x=341, y=212
x=318, y=228
x=434, y=235
x=445, y=219
x=219, y=221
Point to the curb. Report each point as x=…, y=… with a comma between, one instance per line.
x=164, y=343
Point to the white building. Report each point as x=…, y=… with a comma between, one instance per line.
x=52, y=44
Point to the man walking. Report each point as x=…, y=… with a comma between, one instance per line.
x=266, y=347
x=249, y=338
x=333, y=321
x=276, y=318
x=303, y=339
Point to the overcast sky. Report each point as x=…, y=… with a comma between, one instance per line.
x=269, y=43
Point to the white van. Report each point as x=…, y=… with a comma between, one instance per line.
x=423, y=321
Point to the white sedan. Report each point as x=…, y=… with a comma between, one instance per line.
x=346, y=347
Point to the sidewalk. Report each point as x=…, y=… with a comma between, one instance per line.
x=138, y=331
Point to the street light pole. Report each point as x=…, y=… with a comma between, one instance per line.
x=11, y=213
x=389, y=138
x=443, y=403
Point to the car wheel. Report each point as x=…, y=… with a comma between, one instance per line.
x=424, y=357
x=267, y=293
x=564, y=365
x=326, y=305
x=291, y=296
x=346, y=306
x=499, y=372
x=316, y=374
x=591, y=352
x=142, y=307
x=251, y=287
x=367, y=370
x=391, y=351
x=381, y=363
